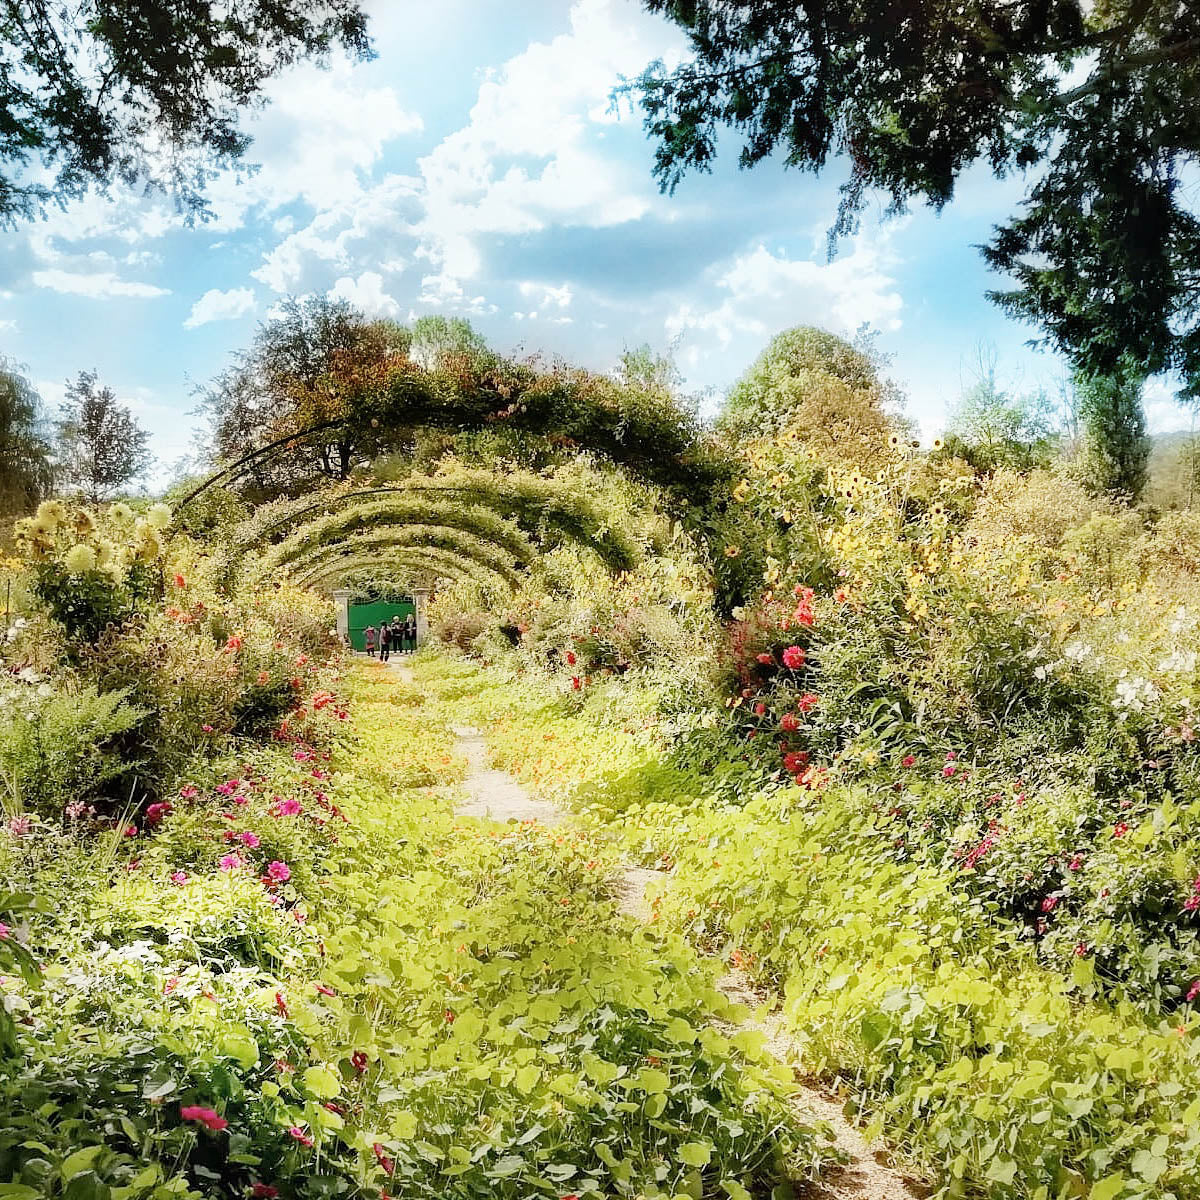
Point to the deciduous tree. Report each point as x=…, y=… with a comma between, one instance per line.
x=26, y=472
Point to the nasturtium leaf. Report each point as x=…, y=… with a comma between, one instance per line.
x=695, y=1154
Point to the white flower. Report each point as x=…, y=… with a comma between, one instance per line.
x=158, y=516
x=1179, y=660
x=1135, y=694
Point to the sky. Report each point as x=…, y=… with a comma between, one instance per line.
x=477, y=167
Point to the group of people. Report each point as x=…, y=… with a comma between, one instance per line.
x=395, y=635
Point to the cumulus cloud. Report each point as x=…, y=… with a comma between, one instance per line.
x=96, y=285
x=216, y=305
x=366, y=294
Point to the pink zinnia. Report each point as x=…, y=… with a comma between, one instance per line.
x=793, y=658
x=279, y=872
x=156, y=812
x=205, y=1116
x=288, y=808
x=300, y=1135
x=230, y=862
x=949, y=770
x=807, y=702
x=179, y=878
x=907, y=761
x=1194, y=990
x=249, y=839
x=5, y=930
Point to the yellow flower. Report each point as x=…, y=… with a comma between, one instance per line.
x=741, y=491
x=80, y=558
x=51, y=513
x=120, y=512
x=84, y=522
x=732, y=551
x=159, y=516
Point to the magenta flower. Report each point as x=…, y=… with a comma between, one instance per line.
x=278, y=872
x=20, y=826
x=793, y=658
x=156, y=812
x=1194, y=990
x=5, y=930
x=205, y=1116
x=231, y=862
x=288, y=808
x=179, y=878
x=249, y=839
x=300, y=1135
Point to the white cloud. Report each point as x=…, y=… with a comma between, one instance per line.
x=366, y=294
x=765, y=293
x=216, y=305
x=532, y=154
x=98, y=285
x=559, y=297
x=1164, y=414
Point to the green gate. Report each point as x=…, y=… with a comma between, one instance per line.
x=362, y=615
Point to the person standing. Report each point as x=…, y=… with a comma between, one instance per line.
x=369, y=639
x=397, y=631
x=385, y=641
x=410, y=633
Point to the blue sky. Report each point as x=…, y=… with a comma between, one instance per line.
x=476, y=168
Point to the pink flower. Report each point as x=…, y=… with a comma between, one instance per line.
x=908, y=761
x=793, y=658
x=1049, y=903
x=949, y=770
x=325, y=991
x=288, y=808
x=1075, y=864
x=75, y=809
x=205, y=1116
x=1120, y=829
x=249, y=839
x=5, y=930
x=279, y=872
x=207, y=728
x=20, y=826
x=1194, y=990
x=156, y=812
x=789, y=723
x=301, y=755
x=807, y=702
x=189, y=792
x=951, y=756
x=179, y=878
x=383, y=1160
x=231, y=862
x=300, y=1135
x=765, y=659
x=1081, y=949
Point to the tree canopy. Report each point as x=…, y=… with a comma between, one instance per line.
x=1099, y=99
x=26, y=470
x=101, y=446
x=147, y=93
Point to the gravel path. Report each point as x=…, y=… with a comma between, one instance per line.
x=866, y=1175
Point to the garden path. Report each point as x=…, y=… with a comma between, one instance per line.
x=865, y=1175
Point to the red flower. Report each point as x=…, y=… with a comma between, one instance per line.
x=281, y=1005
x=789, y=723
x=1120, y=829
x=234, y=643
x=759, y=709
x=807, y=702
x=575, y=683
x=795, y=761
x=180, y=582
x=383, y=1160
x=793, y=658
x=448, y=1016
x=571, y=659
x=766, y=659
x=264, y=1191
x=908, y=761
x=300, y=1135
x=205, y=1116
x=358, y=1060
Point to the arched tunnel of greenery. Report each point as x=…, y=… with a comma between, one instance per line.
x=483, y=551
x=423, y=564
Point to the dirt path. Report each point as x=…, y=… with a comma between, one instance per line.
x=866, y=1175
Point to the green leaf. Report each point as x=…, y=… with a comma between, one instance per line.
x=695, y=1154
x=1109, y=1188
x=322, y=1083
x=80, y=1161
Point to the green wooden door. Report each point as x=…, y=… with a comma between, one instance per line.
x=362, y=615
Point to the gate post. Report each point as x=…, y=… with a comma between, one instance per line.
x=341, y=599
